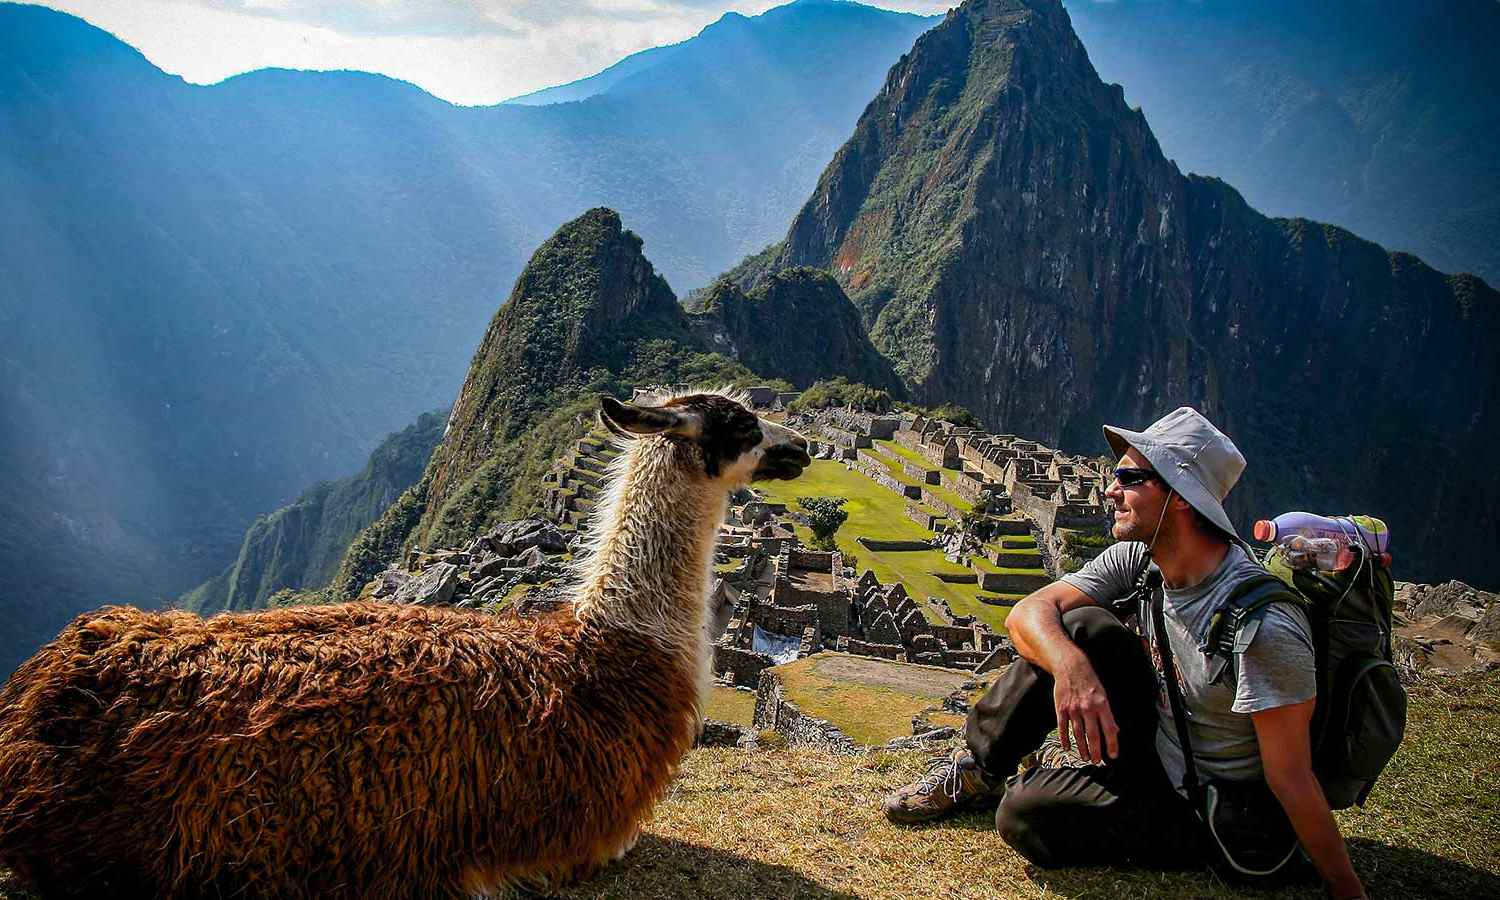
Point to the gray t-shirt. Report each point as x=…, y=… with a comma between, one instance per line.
x=1275, y=669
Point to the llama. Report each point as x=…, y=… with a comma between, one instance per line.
x=381, y=751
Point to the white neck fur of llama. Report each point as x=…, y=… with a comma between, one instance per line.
x=647, y=565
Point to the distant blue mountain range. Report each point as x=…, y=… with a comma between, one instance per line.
x=1377, y=115
x=217, y=296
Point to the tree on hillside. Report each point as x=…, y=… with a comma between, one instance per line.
x=824, y=516
x=840, y=391
x=958, y=415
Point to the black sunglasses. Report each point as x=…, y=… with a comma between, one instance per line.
x=1133, y=477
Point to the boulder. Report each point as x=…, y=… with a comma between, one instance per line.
x=531, y=557
x=389, y=582
x=511, y=538
x=434, y=587
x=1436, y=601
x=722, y=734
x=1487, y=629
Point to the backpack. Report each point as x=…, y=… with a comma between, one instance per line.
x=1360, y=715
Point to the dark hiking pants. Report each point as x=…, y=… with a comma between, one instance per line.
x=1125, y=811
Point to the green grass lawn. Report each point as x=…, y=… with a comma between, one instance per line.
x=729, y=705
x=880, y=514
x=895, y=469
x=894, y=449
x=871, y=706
x=988, y=566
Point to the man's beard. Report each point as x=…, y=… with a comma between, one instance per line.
x=1134, y=529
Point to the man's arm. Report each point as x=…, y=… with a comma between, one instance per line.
x=1083, y=712
x=1286, y=756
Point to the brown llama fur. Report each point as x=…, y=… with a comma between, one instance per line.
x=378, y=751
x=115, y=732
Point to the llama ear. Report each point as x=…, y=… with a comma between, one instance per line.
x=627, y=419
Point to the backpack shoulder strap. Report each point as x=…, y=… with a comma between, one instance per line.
x=1248, y=598
x=1155, y=604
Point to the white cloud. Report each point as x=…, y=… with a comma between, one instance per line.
x=465, y=51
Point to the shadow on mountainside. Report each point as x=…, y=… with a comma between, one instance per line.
x=667, y=867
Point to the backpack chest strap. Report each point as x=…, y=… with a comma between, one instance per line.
x=1227, y=631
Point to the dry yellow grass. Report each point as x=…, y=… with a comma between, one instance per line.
x=799, y=824
x=730, y=705
x=788, y=824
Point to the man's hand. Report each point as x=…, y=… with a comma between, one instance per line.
x=1083, y=713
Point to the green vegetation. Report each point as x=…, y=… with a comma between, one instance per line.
x=824, y=516
x=301, y=545
x=842, y=392
x=985, y=565
x=1074, y=538
x=880, y=514
x=729, y=705
x=892, y=448
x=958, y=415
x=818, y=331
x=871, y=700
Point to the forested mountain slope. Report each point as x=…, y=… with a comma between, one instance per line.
x=1018, y=243
x=217, y=296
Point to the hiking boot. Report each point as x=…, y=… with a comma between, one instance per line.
x=1051, y=755
x=953, y=784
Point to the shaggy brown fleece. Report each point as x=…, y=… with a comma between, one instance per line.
x=360, y=750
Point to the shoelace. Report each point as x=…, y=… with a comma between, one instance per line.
x=942, y=771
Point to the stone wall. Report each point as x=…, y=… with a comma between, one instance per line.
x=938, y=504
x=865, y=648
x=878, y=473
x=788, y=620
x=921, y=473
x=773, y=712
x=1004, y=583
x=743, y=667
x=923, y=516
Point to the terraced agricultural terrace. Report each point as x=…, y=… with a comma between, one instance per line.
x=947, y=528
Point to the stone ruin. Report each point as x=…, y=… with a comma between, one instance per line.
x=799, y=602
x=481, y=574
x=1016, y=485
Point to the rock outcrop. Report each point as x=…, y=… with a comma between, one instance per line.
x=485, y=573
x=299, y=546
x=1017, y=243
x=817, y=330
x=1451, y=627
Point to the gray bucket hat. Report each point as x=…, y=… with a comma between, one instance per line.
x=1195, y=459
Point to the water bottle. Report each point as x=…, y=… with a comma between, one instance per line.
x=1326, y=543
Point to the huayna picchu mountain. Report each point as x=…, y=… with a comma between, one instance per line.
x=1017, y=243
x=818, y=330
x=299, y=546
x=588, y=315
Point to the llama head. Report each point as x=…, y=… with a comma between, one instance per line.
x=713, y=435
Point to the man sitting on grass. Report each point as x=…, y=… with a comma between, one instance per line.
x=1102, y=687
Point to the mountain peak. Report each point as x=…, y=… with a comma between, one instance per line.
x=1018, y=243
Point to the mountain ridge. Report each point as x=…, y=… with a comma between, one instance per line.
x=589, y=315
x=299, y=546
x=220, y=295
x=1070, y=275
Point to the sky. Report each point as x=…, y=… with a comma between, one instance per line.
x=465, y=51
